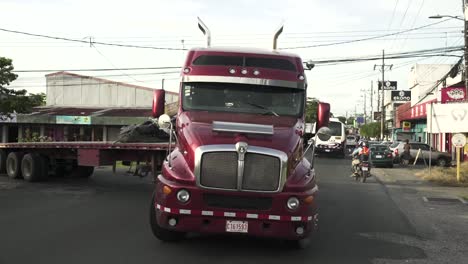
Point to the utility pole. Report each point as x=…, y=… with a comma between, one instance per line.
x=378, y=95
x=465, y=33
x=382, y=87
x=365, y=112
x=371, y=100
x=365, y=109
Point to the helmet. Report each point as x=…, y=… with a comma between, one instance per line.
x=364, y=144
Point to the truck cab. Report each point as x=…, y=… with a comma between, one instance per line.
x=238, y=165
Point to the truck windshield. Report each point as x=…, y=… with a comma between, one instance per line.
x=243, y=98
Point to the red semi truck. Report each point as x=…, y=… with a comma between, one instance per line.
x=235, y=160
x=238, y=165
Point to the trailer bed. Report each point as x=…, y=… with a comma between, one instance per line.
x=86, y=145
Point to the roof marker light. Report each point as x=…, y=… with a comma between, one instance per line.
x=256, y=72
x=301, y=77
x=232, y=71
x=186, y=70
x=244, y=71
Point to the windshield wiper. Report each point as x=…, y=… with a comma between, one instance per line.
x=270, y=111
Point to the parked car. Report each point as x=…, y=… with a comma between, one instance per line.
x=381, y=155
x=440, y=158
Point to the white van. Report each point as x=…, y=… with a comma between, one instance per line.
x=337, y=142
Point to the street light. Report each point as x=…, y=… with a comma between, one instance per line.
x=448, y=16
x=465, y=33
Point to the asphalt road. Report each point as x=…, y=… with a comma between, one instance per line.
x=105, y=220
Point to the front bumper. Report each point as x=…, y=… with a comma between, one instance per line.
x=195, y=216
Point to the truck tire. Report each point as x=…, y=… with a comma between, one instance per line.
x=3, y=157
x=82, y=172
x=32, y=167
x=13, y=165
x=159, y=232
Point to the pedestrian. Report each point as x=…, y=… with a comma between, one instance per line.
x=406, y=152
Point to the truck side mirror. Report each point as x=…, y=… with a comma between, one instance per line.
x=323, y=115
x=158, y=103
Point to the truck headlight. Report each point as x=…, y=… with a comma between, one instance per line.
x=183, y=196
x=293, y=203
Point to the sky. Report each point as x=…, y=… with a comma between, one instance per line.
x=245, y=23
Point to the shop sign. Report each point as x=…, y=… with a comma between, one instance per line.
x=73, y=120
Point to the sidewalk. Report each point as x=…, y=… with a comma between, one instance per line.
x=405, y=177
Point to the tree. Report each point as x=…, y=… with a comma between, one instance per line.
x=342, y=119
x=350, y=121
x=15, y=100
x=311, y=110
x=370, y=130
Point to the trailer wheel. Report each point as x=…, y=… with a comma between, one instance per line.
x=82, y=172
x=32, y=167
x=3, y=157
x=159, y=232
x=13, y=165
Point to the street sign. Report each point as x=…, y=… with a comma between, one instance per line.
x=401, y=96
x=388, y=85
x=377, y=115
x=459, y=140
x=360, y=120
x=406, y=126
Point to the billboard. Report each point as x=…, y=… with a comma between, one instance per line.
x=388, y=85
x=401, y=96
x=377, y=115
x=452, y=94
x=73, y=120
x=448, y=118
x=360, y=120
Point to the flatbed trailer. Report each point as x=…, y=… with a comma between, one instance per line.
x=35, y=161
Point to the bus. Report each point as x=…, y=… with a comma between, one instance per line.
x=336, y=145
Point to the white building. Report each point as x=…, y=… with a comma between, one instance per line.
x=66, y=89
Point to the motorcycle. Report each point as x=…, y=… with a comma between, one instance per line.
x=361, y=170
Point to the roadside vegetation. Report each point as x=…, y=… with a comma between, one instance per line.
x=446, y=176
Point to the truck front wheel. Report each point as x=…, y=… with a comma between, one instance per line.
x=159, y=232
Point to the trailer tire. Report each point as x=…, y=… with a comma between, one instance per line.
x=160, y=233
x=13, y=165
x=32, y=167
x=3, y=157
x=82, y=172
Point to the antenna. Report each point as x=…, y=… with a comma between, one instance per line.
x=205, y=31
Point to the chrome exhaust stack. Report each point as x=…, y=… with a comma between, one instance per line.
x=275, y=37
x=205, y=31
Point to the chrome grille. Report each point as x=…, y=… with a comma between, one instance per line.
x=225, y=169
x=219, y=170
x=261, y=172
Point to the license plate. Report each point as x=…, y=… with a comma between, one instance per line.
x=365, y=169
x=327, y=150
x=378, y=156
x=237, y=226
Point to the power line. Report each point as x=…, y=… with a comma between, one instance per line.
x=365, y=39
x=102, y=69
x=402, y=55
x=87, y=42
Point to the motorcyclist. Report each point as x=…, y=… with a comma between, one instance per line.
x=359, y=154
